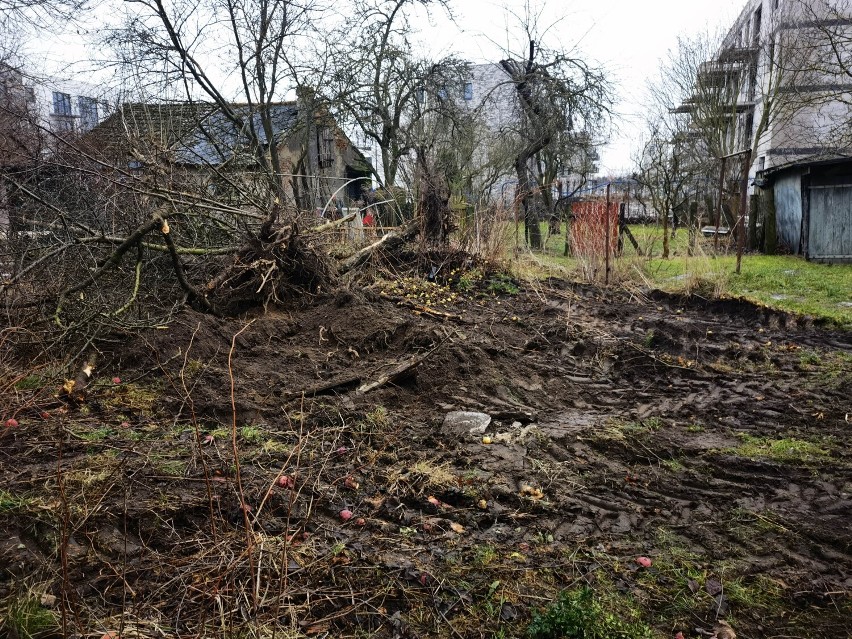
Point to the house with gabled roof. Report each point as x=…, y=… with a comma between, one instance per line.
x=318, y=161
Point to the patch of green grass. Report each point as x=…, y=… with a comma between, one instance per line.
x=272, y=447
x=94, y=435
x=251, y=434
x=469, y=280
x=782, y=450
x=673, y=465
x=756, y=593
x=784, y=282
x=808, y=359
x=221, y=433
x=378, y=418
x=30, y=382
x=11, y=503
x=170, y=467
x=193, y=368
x=619, y=430
x=579, y=614
x=26, y=618
x=484, y=555
x=133, y=397
x=695, y=428
x=502, y=284
x=829, y=369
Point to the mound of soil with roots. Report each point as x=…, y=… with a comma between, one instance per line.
x=303, y=471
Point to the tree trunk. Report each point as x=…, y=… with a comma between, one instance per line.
x=693, y=227
x=753, y=206
x=532, y=230
x=666, y=235
x=730, y=220
x=568, y=233
x=770, y=230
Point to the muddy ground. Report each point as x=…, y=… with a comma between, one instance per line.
x=709, y=437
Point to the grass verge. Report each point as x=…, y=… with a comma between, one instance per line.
x=784, y=282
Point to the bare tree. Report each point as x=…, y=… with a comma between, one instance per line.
x=444, y=141
x=188, y=200
x=668, y=167
x=558, y=94
x=378, y=85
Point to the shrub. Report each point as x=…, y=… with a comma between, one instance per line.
x=576, y=614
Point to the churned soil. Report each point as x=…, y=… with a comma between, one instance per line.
x=292, y=473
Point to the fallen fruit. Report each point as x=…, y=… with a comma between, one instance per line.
x=530, y=491
x=125, y=424
x=346, y=514
x=456, y=527
x=11, y=423
x=360, y=521
x=342, y=450
x=44, y=415
x=434, y=501
x=482, y=504
x=679, y=635
x=116, y=380
x=486, y=440
x=351, y=483
x=645, y=562
x=285, y=481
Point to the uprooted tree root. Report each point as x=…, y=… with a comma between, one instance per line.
x=84, y=293
x=270, y=269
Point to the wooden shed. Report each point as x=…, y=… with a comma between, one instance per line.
x=813, y=210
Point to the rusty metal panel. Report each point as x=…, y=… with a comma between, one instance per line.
x=830, y=227
x=788, y=210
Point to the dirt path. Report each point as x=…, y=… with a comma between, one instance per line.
x=708, y=437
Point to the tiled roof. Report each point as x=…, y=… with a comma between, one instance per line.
x=193, y=133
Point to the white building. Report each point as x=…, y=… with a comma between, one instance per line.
x=790, y=61
x=70, y=106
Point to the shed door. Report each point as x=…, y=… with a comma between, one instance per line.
x=830, y=225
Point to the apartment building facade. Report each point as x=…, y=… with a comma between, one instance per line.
x=792, y=110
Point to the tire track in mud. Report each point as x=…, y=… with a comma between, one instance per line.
x=629, y=414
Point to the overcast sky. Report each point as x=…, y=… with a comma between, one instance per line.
x=627, y=37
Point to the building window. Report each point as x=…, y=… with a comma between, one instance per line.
x=325, y=145
x=752, y=82
x=88, y=113
x=468, y=91
x=758, y=18
x=61, y=104
x=442, y=93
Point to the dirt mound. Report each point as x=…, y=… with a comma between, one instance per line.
x=707, y=437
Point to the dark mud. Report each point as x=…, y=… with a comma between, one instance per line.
x=711, y=437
